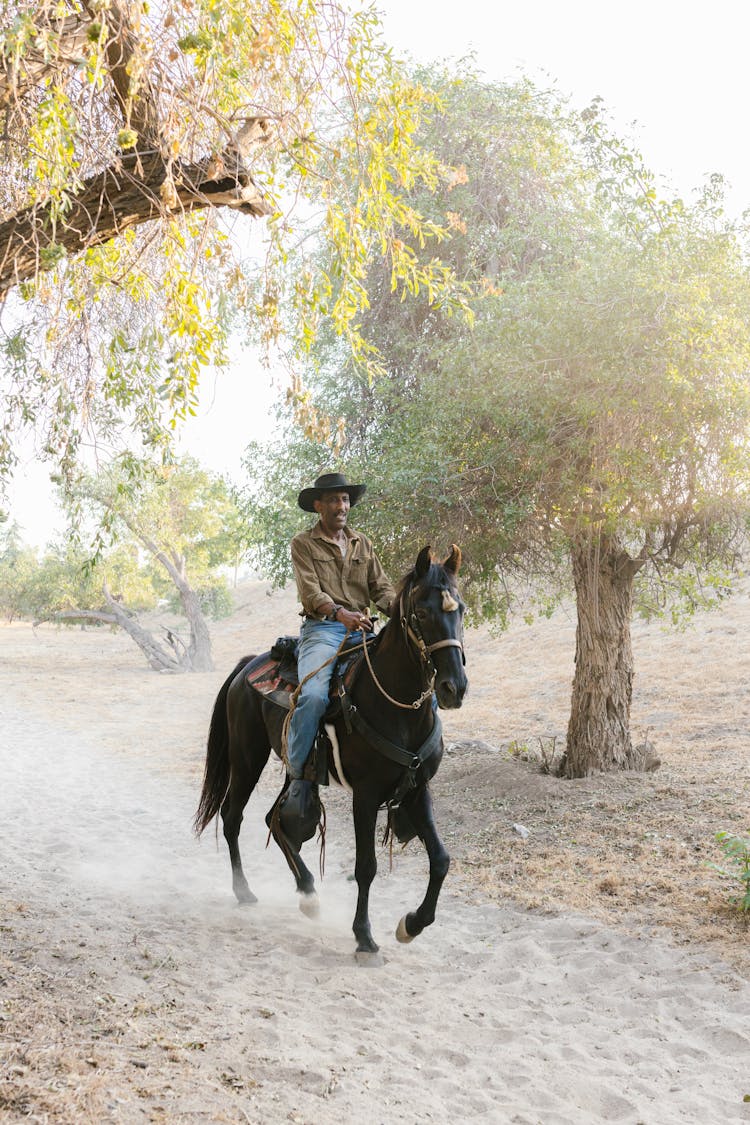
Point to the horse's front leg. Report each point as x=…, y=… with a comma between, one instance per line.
x=365, y=818
x=421, y=815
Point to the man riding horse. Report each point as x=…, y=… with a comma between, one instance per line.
x=338, y=577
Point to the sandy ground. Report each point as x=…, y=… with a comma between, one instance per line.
x=588, y=971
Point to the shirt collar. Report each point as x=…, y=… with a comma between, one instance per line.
x=318, y=533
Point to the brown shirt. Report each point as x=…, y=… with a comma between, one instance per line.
x=324, y=575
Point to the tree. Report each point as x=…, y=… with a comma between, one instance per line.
x=182, y=518
x=128, y=129
x=592, y=430
x=17, y=567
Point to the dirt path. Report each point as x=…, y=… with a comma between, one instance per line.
x=133, y=989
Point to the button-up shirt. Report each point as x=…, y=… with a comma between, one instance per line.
x=324, y=575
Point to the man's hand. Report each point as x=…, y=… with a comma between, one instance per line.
x=355, y=620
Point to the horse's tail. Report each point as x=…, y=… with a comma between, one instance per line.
x=216, y=772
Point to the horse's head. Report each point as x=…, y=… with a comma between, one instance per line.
x=432, y=615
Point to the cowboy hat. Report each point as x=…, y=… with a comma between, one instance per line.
x=329, y=482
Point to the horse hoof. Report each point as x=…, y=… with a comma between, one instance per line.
x=402, y=934
x=309, y=904
x=246, y=898
x=369, y=958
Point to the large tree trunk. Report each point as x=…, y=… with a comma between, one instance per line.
x=599, y=728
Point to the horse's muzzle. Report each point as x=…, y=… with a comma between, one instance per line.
x=450, y=692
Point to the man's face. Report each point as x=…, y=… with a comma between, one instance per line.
x=333, y=509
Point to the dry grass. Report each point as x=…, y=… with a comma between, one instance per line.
x=631, y=850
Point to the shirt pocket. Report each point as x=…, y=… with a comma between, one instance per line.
x=325, y=567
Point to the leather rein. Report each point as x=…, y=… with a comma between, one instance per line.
x=413, y=636
x=410, y=760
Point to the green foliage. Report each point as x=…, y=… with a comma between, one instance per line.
x=177, y=524
x=67, y=580
x=268, y=502
x=63, y=579
x=737, y=854
x=18, y=565
x=214, y=598
x=122, y=331
x=180, y=514
x=603, y=391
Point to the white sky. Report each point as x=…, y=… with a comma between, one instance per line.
x=673, y=76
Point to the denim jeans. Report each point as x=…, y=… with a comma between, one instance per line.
x=319, y=640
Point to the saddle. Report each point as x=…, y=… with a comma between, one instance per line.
x=275, y=676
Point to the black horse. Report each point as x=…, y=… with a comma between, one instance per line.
x=389, y=742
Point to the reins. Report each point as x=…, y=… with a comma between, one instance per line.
x=413, y=633
x=397, y=703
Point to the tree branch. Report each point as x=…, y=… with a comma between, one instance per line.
x=62, y=42
x=137, y=103
x=135, y=189
x=77, y=615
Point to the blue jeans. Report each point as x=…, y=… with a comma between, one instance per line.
x=319, y=641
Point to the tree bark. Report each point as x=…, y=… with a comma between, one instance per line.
x=159, y=658
x=199, y=649
x=130, y=192
x=599, y=727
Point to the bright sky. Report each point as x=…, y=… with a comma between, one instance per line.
x=673, y=76
x=676, y=68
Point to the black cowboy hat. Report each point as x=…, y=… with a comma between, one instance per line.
x=329, y=482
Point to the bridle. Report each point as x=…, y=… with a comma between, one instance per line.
x=413, y=633
x=413, y=636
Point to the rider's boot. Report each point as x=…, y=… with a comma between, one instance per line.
x=299, y=810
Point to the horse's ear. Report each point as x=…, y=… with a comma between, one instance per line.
x=422, y=565
x=453, y=562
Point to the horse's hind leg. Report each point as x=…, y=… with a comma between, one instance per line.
x=421, y=815
x=248, y=758
x=365, y=818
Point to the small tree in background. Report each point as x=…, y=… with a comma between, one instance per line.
x=18, y=565
x=174, y=527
